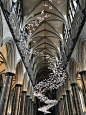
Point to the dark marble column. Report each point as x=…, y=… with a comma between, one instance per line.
x=30, y=109
x=62, y=107
x=39, y=105
x=22, y=106
x=56, y=109
x=83, y=78
x=27, y=104
x=59, y=107
x=6, y=93
x=16, y=99
x=76, y=99
x=70, y=102
x=34, y=108
x=1, y=84
x=65, y=105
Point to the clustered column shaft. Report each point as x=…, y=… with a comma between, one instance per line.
x=16, y=100
x=61, y=107
x=63, y=113
x=34, y=112
x=6, y=93
x=30, y=110
x=32, y=107
x=59, y=104
x=27, y=105
x=22, y=107
x=58, y=108
x=70, y=103
x=83, y=77
x=76, y=99
x=65, y=105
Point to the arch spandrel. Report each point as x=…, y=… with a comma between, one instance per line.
x=3, y=65
x=25, y=82
x=4, y=52
x=9, y=53
x=6, y=31
x=73, y=71
x=67, y=83
x=18, y=57
x=29, y=88
x=33, y=98
x=82, y=54
x=31, y=93
x=19, y=74
x=59, y=96
x=74, y=55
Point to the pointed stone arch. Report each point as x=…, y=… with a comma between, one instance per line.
x=9, y=54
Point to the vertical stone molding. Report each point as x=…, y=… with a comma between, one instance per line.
x=22, y=106
x=65, y=105
x=16, y=99
x=6, y=93
x=70, y=103
x=76, y=99
x=27, y=104
x=83, y=78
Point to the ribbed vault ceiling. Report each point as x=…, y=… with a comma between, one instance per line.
x=43, y=22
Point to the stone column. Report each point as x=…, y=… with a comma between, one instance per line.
x=65, y=105
x=1, y=84
x=6, y=93
x=76, y=99
x=59, y=107
x=62, y=107
x=70, y=102
x=34, y=109
x=83, y=78
x=27, y=104
x=56, y=109
x=30, y=109
x=16, y=99
x=22, y=106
